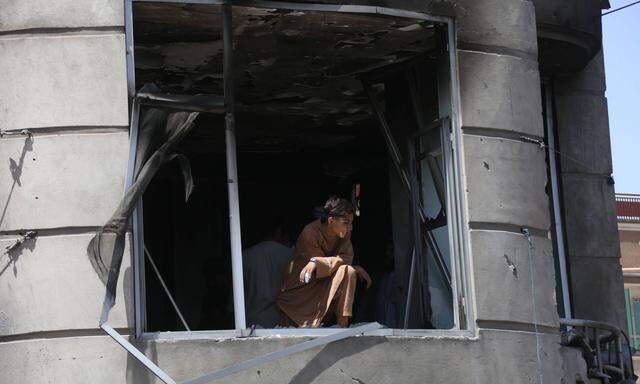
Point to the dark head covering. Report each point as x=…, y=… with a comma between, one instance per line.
x=334, y=207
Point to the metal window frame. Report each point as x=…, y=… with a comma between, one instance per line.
x=457, y=202
x=443, y=126
x=137, y=222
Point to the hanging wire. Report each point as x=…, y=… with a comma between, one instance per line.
x=527, y=235
x=621, y=8
x=543, y=145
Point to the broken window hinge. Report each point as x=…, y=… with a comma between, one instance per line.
x=25, y=132
x=539, y=142
x=26, y=236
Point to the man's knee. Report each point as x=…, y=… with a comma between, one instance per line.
x=349, y=271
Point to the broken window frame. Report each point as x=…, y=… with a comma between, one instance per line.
x=450, y=124
x=430, y=247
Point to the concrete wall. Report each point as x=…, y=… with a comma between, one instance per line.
x=496, y=357
x=629, y=235
x=505, y=178
x=569, y=33
x=76, y=106
x=593, y=247
x=63, y=76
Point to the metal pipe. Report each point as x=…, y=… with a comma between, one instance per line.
x=614, y=336
x=166, y=289
x=619, y=352
x=232, y=168
x=598, y=350
x=555, y=195
x=589, y=324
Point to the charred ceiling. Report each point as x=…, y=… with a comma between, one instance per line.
x=290, y=63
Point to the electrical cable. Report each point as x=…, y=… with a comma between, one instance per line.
x=527, y=235
x=544, y=145
x=621, y=8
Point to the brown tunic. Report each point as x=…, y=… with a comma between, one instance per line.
x=307, y=304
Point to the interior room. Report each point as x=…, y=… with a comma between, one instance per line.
x=306, y=129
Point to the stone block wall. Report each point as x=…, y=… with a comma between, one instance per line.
x=593, y=248
x=63, y=72
x=63, y=76
x=504, y=177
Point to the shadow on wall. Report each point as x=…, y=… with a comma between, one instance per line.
x=16, y=171
x=331, y=354
x=14, y=255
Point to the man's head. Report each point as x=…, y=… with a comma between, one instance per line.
x=275, y=228
x=338, y=216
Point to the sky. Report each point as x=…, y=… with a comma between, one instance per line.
x=621, y=43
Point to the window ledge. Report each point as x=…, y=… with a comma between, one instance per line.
x=302, y=333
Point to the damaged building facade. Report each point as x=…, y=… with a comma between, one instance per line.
x=472, y=136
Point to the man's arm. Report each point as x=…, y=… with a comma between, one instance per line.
x=308, y=249
x=327, y=266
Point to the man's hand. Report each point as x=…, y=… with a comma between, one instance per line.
x=363, y=275
x=310, y=268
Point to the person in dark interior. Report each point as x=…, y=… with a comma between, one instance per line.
x=264, y=265
x=386, y=306
x=321, y=281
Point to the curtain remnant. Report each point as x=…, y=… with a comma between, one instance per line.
x=159, y=135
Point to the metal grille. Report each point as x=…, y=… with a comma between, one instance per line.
x=628, y=208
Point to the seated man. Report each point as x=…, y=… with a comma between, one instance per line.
x=264, y=265
x=321, y=281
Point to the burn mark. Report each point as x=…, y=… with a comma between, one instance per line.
x=312, y=55
x=511, y=266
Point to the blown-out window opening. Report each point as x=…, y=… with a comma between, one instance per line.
x=297, y=144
